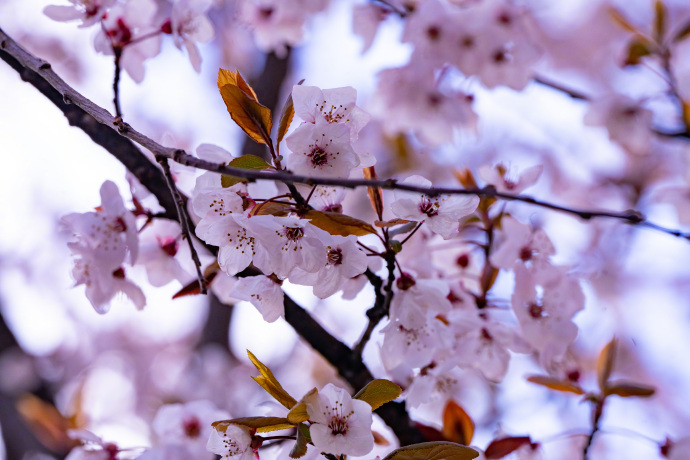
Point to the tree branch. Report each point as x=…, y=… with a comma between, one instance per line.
x=110, y=133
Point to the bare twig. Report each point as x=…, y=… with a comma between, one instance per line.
x=597, y=412
x=375, y=313
x=183, y=218
x=116, y=81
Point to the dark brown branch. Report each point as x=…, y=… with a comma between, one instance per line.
x=23, y=62
x=108, y=132
x=597, y=412
x=184, y=220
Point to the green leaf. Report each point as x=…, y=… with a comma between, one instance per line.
x=303, y=438
x=438, y=450
x=260, y=424
x=269, y=383
x=378, y=392
x=244, y=162
x=339, y=224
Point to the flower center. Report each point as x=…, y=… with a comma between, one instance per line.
x=428, y=207
x=536, y=311
x=169, y=245
x=318, y=156
x=192, y=427
x=294, y=233
x=335, y=257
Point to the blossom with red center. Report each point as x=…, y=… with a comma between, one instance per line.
x=441, y=213
x=340, y=425
x=321, y=149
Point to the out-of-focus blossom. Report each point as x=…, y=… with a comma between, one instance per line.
x=88, y=12
x=190, y=25
x=628, y=123
x=500, y=177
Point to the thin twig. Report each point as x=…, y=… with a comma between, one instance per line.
x=183, y=219
x=116, y=81
x=375, y=313
x=45, y=73
x=597, y=412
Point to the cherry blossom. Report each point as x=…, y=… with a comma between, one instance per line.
x=416, y=299
x=189, y=24
x=344, y=260
x=341, y=425
x=237, y=245
x=441, y=213
x=187, y=427
x=500, y=177
x=322, y=150
x=88, y=11
x=628, y=123
x=264, y=293
x=160, y=244
x=336, y=105
x=230, y=441
x=122, y=27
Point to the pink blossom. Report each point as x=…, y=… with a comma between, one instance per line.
x=189, y=24
x=230, y=441
x=341, y=425
x=500, y=177
x=321, y=149
x=441, y=213
x=262, y=292
x=88, y=11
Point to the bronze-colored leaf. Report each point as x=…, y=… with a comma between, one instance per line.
x=686, y=114
x=619, y=19
x=682, y=34
x=285, y=119
x=269, y=383
x=457, y=424
x=379, y=439
x=46, y=423
x=605, y=363
x=438, y=450
x=465, y=177
x=260, y=424
x=660, y=16
x=226, y=77
x=193, y=288
x=429, y=432
x=555, y=384
x=244, y=86
x=378, y=392
x=271, y=208
x=627, y=389
x=391, y=223
x=375, y=193
x=637, y=49
x=252, y=117
x=499, y=448
x=339, y=224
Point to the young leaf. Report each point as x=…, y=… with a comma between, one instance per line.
x=271, y=208
x=627, y=389
x=244, y=86
x=300, y=447
x=605, y=363
x=438, y=450
x=285, y=119
x=252, y=117
x=682, y=34
x=379, y=439
x=244, y=162
x=298, y=413
x=193, y=287
x=375, y=193
x=226, y=77
x=457, y=424
x=339, y=224
x=637, y=49
x=260, y=424
x=269, y=383
x=378, y=392
x=619, y=19
x=660, y=14
x=555, y=384
x=499, y=448
x=391, y=223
